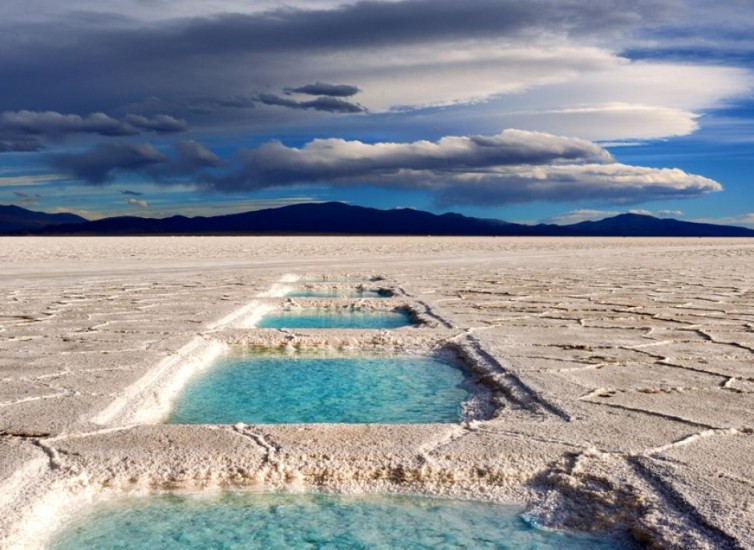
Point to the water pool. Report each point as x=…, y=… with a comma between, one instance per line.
x=286, y=521
x=339, y=293
x=335, y=318
x=280, y=388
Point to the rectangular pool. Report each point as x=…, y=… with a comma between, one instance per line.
x=335, y=318
x=281, y=388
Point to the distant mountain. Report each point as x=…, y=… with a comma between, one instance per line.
x=334, y=218
x=16, y=219
x=312, y=218
x=640, y=225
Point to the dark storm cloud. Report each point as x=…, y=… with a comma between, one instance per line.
x=16, y=144
x=161, y=124
x=100, y=164
x=117, y=62
x=208, y=105
x=26, y=130
x=53, y=124
x=321, y=88
x=327, y=104
x=192, y=157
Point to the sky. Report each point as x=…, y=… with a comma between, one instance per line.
x=539, y=111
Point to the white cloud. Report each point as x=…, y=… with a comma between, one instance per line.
x=137, y=202
x=629, y=101
x=612, y=121
x=454, y=72
x=513, y=166
x=616, y=183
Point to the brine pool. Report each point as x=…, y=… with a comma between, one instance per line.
x=303, y=521
x=336, y=293
x=335, y=318
x=292, y=388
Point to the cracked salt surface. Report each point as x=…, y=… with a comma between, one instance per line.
x=99, y=335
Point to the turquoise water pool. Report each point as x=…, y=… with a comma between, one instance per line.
x=339, y=293
x=285, y=521
x=281, y=388
x=335, y=318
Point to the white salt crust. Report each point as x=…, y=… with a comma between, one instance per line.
x=615, y=376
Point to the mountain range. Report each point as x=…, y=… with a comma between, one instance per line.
x=335, y=218
x=14, y=219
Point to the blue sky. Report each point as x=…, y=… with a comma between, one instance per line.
x=547, y=110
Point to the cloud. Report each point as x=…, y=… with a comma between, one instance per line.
x=192, y=157
x=24, y=131
x=100, y=164
x=464, y=53
x=16, y=144
x=129, y=192
x=658, y=213
x=512, y=167
x=162, y=124
x=321, y=88
x=614, y=183
x=328, y=104
x=207, y=105
x=53, y=124
x=26, y=180
x=28, y=199
x=140, y=203
x=609, y=121
x=458, y=47
x=339, y=161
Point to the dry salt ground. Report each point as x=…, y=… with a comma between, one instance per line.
x=616, y=376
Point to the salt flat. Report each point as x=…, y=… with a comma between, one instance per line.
x=619, y=372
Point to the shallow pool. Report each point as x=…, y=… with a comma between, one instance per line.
x=287, y=521
x=339, y=293
x=281, y=388
x=335, y=318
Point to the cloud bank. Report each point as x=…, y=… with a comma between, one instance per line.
x=27, y=131
x=228, y=56
x=513, y=166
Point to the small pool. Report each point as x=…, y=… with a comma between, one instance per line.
x=335, y=318
x=287, y=521
x=339, y=293
x=281, y=388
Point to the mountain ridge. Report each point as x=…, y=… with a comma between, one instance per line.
x=14, y=218
x=336, y=218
